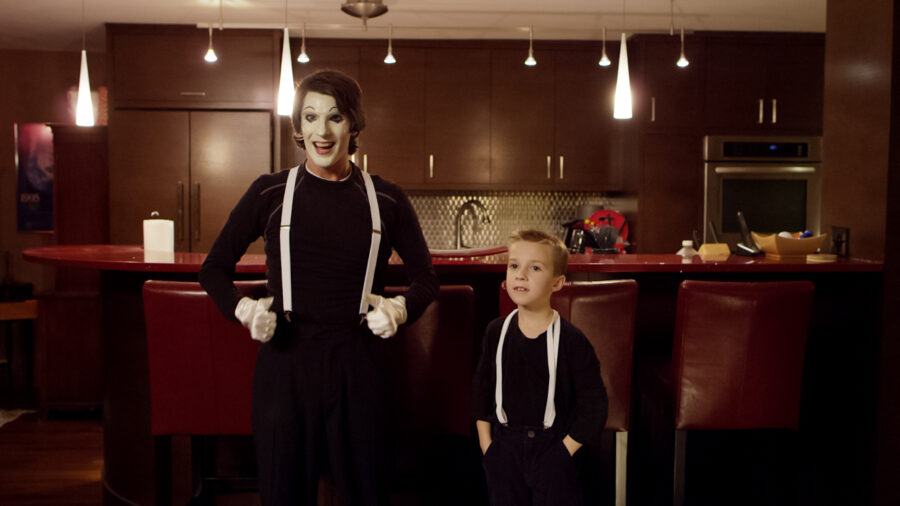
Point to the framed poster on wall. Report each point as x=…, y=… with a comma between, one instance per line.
x=34, y=170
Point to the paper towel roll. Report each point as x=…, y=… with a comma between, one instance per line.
x=159, y=235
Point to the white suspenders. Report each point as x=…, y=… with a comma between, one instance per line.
x=284, y=239
x=552, y=355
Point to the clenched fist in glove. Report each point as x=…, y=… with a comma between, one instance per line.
x=386, y=315
x=255, y=315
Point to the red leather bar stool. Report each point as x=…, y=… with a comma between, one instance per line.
x=737, y=359
x=604, y=311
x=201, y=370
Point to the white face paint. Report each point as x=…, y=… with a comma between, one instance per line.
x=326, y=135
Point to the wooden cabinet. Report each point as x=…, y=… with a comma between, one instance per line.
x=190, y=166
x=771, y=83
x=587, y=139
x=163, y=66
x=457, y=116
x=671, y=191
x=551, y=124
x=522, y=118
x=393, y=143
x=665, y=95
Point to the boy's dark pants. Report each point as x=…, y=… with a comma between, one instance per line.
x=530, y=466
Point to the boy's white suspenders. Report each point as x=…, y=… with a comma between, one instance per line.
x=552, y=355
x=284, y=237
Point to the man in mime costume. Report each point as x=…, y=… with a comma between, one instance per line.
x=329, y=228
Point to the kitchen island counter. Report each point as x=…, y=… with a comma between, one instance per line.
x=134, y=258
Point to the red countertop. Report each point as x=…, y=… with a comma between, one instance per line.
x=132, y=258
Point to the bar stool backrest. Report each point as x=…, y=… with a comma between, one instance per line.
x=201, y=364
x=738, y=352
x=604, y=311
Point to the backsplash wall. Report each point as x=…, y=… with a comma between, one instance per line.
x=507, y=210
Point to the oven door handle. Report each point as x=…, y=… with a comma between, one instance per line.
x=785, y=169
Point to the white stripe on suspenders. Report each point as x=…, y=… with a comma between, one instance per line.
x=552, y=356
x=284, y=239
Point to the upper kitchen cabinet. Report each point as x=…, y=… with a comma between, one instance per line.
x=666, y=96
x=457, y=117
x=759, y=83
x=522, y=118
x=163, y=67
x=587, y=139
x=190, y=166
x=551, y=124
x=393, y=142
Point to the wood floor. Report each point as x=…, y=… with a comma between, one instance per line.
x=51, y=462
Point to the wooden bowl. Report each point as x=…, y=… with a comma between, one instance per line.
x=778, y=247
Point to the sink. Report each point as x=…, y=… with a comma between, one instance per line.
x=468, y=252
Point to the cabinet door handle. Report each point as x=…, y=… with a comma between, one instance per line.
x=365, y=162
x=179, y=210
x=774, y=111
x=760, y=119
x=549, y=162
x=195, y=215
x=652, y=109
x=430, y=165
x=193, y=93
x=562, y=162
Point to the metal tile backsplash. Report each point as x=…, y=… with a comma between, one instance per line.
x=507, y=210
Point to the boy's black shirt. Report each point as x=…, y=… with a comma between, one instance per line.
x=581, y=400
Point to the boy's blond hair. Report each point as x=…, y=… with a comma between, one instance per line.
x=558, y=251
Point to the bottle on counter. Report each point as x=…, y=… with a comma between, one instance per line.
x=687, y=249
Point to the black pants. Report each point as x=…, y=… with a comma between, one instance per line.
x=318, y=402
x=530, y=466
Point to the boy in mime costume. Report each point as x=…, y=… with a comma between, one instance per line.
x=539, y=395
x=318, y=389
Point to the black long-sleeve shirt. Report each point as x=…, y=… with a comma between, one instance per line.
x=330, y=237
x=580, y=399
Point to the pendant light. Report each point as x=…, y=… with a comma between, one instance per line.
x=364, y=9
x=604, y=60
x=530, y=61
x=84, y=108
x=682, y=61
x=302, y=57
x=622, y=104
x=210, y=53
x=286, y=84
x=389, y=59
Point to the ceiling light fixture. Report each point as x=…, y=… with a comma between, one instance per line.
x=84, y=107
x=604, y=60
x=530, y=61
x=210, y=53
x=303, y=57
x=671, y=17
x=364, y=10
x=682, y=61
x=389, y=59
x=286, y=84
x=622, y=103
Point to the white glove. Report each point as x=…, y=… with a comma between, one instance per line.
x=255, y=315
x=387, y=314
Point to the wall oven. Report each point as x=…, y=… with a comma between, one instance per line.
x=774, y=181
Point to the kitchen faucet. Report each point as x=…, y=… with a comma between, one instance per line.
x=470, y=205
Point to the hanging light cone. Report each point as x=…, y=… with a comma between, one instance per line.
x=622, y=104
x=389, y=59
x=210, y=53
x=286, y=84
x=84, y=108
x=530, y=61
x=682, y=61
x=303, y=57
x=604, y=60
